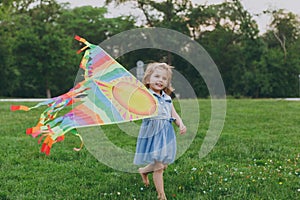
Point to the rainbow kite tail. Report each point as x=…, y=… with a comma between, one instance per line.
x=57, y=134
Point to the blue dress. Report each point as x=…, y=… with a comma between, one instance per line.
x=157, y=140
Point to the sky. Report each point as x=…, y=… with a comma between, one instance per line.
x=253, y=6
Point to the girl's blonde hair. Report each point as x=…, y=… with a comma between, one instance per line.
x=151, y=68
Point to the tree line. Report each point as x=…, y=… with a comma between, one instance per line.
x=38, y=54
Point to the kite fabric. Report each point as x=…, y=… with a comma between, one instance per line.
x=108, y=94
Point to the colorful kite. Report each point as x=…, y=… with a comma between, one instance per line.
x=108, y=94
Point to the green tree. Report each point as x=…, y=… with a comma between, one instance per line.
x=91, y=23
x=40, y=51
x=228, y=32
x=281, y=63
x=10, y=12
x=285, y=29
x=38, y=45
x=167, y=14
x=6, y=71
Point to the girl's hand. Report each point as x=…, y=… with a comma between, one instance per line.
x=182, y=129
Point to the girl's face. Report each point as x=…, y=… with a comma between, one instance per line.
x=158, y=80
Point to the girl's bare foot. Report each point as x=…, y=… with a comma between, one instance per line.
x=161, y=197
x=144, y=176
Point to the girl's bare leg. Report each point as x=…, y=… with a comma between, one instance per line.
x=159, y=181
x=165, y=166
x=144, y=173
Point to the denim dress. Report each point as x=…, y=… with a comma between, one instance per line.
x=157, y=140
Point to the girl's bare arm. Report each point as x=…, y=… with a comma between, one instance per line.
x=178, y=121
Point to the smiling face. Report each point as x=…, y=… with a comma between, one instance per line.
x=158, y=80
x=160, y=75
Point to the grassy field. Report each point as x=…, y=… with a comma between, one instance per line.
x=257, y=157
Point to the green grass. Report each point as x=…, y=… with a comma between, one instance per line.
x=257, y=157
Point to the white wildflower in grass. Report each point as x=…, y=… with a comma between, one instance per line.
x=176, y=171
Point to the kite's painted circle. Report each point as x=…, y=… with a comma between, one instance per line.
x=133, y=99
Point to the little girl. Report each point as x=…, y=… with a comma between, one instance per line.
x=156, y=143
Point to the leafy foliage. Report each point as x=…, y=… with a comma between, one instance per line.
x=37, y=45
